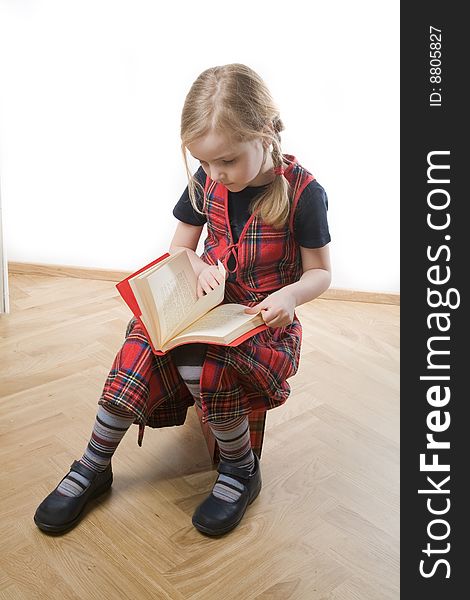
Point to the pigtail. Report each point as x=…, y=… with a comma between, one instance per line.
x=273, y=205
x=195, y=189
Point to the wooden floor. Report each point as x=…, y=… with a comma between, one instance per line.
x=325, y=526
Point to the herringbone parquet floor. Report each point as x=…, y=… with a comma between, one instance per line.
x=325, y=525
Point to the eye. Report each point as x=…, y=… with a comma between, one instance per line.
x=228, y=162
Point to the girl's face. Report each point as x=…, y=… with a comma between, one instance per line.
x=236, y=165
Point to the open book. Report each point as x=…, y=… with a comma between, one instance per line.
x=163, y=296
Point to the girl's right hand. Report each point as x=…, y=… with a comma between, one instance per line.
x=209, y=278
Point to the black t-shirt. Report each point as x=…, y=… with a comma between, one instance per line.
x=310, y=219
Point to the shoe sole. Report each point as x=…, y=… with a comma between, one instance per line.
x=66, y=526
x=207, y=531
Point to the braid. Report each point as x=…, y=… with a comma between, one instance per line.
x=278, y=126
x=279, y=186
x=276, y=153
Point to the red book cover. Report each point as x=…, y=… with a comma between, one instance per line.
x=125, y=289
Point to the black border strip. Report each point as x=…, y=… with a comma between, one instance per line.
x=434, y=255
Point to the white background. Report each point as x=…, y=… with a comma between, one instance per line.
x=91, y=93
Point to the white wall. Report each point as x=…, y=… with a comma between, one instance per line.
x=90, y=100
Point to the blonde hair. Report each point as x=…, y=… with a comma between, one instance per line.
x=234, y=100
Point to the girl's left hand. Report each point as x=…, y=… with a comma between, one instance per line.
x=277, y=309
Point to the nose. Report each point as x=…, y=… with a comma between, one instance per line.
x=217, y=175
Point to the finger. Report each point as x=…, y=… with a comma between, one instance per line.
x=273, y=323
x=213, y=281
x=206, y=283
x=220, y=278
x=279, y=322
x=260, y=307
x=267, y=316
x=206, y=287
x=273, y=319
x=209, y=275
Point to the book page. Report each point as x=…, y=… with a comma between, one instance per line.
x=147, y=309
x=221, y=321
x=203, y=305
x=173, y=288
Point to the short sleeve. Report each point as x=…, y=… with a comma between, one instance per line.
x=310, y=220
x=184, y=210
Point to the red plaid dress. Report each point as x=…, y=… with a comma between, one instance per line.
x=235, y=380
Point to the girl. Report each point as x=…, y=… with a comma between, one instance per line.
x=266, y=221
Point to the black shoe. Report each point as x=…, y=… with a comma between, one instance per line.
x=58, y=513
x=216, y=516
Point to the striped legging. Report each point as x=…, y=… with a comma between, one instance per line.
x=232, y=435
